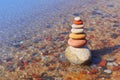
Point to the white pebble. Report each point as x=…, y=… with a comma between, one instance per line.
x=108, y=71
x=109, y=64
x=77, y=26
x=77, y=18
x=77, y=30
x=110, y=59
x=115, y=64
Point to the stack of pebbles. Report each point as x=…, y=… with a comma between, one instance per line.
x=77, y=52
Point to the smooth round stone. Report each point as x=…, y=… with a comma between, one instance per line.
x=109, y=64
x=77, y=30
x=107, y=71
x=76, y=43
x=110, y=59
x=78, y=55
x=115, y=64
x=77, y=36
x=77, y=18
x=77, y=26
x=77, y=22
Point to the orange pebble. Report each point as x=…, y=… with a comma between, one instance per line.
x=78, y=22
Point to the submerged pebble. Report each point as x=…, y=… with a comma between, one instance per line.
x=115, y=64
x=114, y=36
x=109, y=64
x=110, y=59
x=107, y=71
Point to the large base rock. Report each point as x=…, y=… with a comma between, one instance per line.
x=78, y=55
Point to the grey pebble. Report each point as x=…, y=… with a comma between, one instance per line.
x=115, y=64
x=110, y=59
x=93, y=66
x=107, y=71
x=109, y=64
x=59, y=78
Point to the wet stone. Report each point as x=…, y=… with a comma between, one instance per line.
x=110, y=5
x=10, y=67
x=93, y=66
x=49, y=26
x=36, y=40
x=115, y=64
x=64, y=33
x=48, y=78
x=59, y=78
x=110, y=59
x=116, y=25
x=76, y=14
x=96, y=12
x=9, y=59
x=107, y=77
x=104, y=68
x=90, y=29
x=16, y=45
x=62, y=58
x=34, y=54
x=102, y=63
x=107, y=71
x=109, y=64
x=114, y=36
x=106, y=16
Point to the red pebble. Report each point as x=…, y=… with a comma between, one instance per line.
x=25, y=64
x=93, y=71
x=102, y=63
x=115, y=68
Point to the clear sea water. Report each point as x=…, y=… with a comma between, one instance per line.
x=25, y=17
x=16, y=15
x=20, y=16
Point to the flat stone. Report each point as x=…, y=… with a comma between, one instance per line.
x=77, y=36
x=114, y=36
x=110, y=59
x=115, y=64
x=107, y=77
x=78, y=55
x=77, y=43
x=77, y=26
x=77, y=30
x=102, y=63
x=93, y=66
x=116, y=68
x=107, y=71
x=77, y=22
x=77, y=18
x=109, y=64
x=93, y=71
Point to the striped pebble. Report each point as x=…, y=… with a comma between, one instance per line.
x=77, y=18
x=77, y=26
x=77, y=30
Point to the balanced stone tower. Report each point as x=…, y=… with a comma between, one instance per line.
x=77, y=52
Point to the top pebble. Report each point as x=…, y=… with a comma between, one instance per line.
x=77, y=18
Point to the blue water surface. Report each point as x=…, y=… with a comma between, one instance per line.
x=16, y=15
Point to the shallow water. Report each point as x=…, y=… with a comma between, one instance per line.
x=19, y=16
x=23, y=19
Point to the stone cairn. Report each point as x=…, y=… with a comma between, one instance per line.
x=77, y=52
